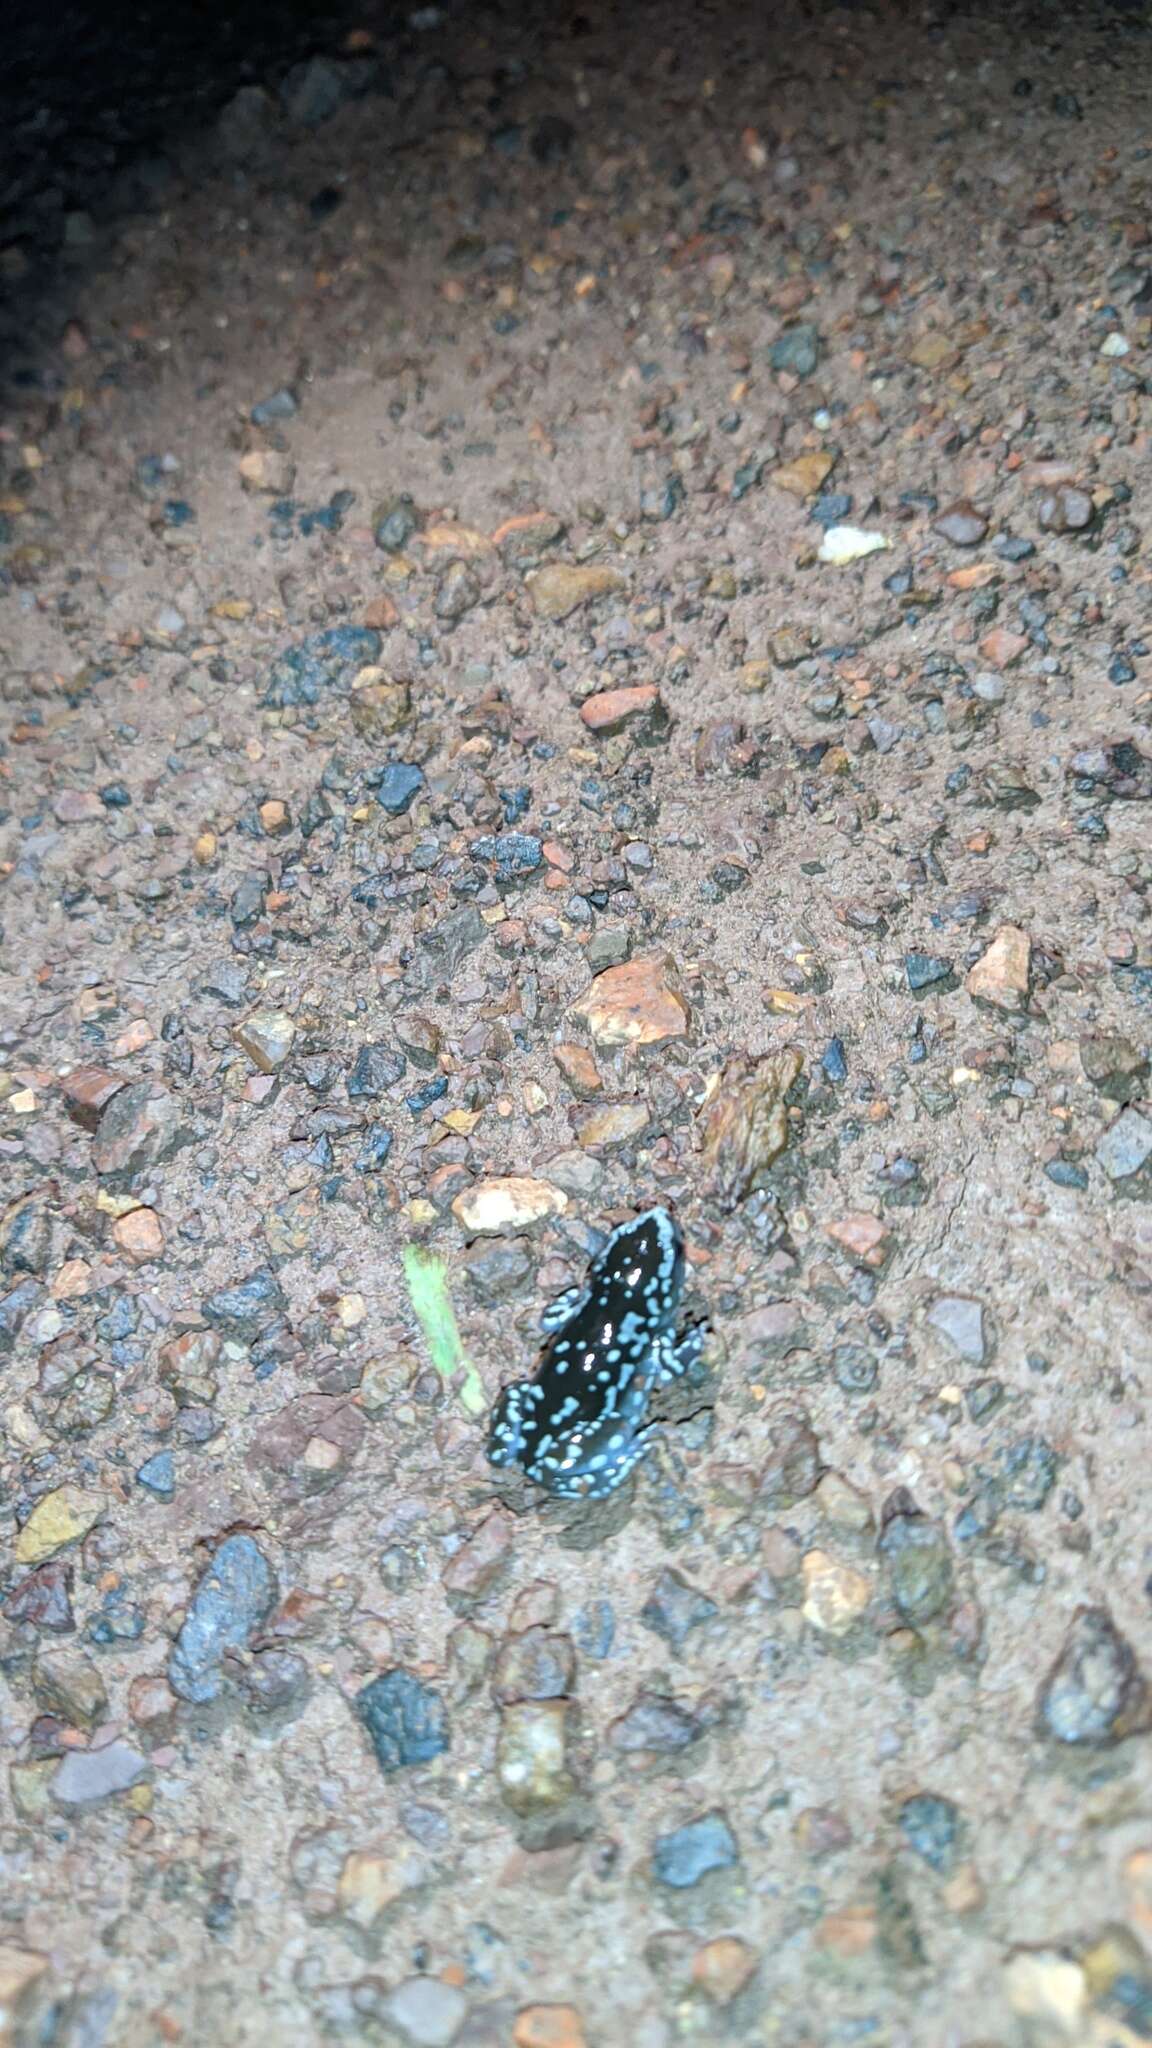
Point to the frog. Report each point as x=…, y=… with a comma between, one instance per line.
x=579, y=1425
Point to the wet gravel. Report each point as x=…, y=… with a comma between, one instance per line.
x=574, y=604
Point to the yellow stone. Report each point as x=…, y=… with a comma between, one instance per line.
x=1049, y=1990
x=561, y=587
x=804, y=476
x=835, y=1594
x=461, y=1122
x=62, y=1517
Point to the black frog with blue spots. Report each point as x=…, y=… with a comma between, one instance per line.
x=580, y=1425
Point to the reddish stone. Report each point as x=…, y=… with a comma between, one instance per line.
x=612, y=711
x=87, y=1091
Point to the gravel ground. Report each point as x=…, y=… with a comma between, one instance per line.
x=574, y=611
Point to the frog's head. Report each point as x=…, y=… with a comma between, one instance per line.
x=506, y=1429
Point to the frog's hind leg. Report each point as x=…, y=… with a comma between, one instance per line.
x=676, y=1355
x=615, y=1468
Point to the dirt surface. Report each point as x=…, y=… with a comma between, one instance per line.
x=339, y=883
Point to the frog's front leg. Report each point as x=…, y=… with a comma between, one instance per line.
x=678, y=1354
x=558, y=1312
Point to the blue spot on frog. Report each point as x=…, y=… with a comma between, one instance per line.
x=578, y=1427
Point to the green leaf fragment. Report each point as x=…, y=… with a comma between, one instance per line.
x=427, y=1277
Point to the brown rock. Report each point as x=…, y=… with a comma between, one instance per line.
x=849, y=1933
x=636, y=1004
x=140, y=1126
x=863, y=1237
x=562, y=587
x=67, y=1683
x=638, y=710
x=311, y=1440
x=804, y=476
x=794, y=1466
x=379, y=705
x=139, y=1235
x=89, y=1090
x=479, y=1562
x=1002, y=977
x=549, y=2026
x=502, y=1206
x=746, y=1127
x=821, y=1831
x=537, y=1664
x=23, y=1979
x=617, y=1123
x=579, y=1069
x=722, y=1968
x=275, y=817
x=266, y=1036
x=153, y=1706
x=266, y=469
x=1002, y=648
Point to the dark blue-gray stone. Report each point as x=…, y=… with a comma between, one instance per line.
x=1126, y=1147
x=682, y=1858
x=1095, y=1693
x=831, y=508
x=374, y=1150
x=247, y=1307
x=395, y=524
x=405, y=1720
x=594, y=1628
x=1028, y=1472
x=281, y=405
x=797, y=350
x=236, y=1594
x=398, y=786
x=674, y=1608
x=931, y=1826
x=919, y=1563
x=323, y=662
x=377, y=1068
x=512, y=854
x=158, y=1475
x=926, y=970
x=835, y=1061
x=1066, y=1174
